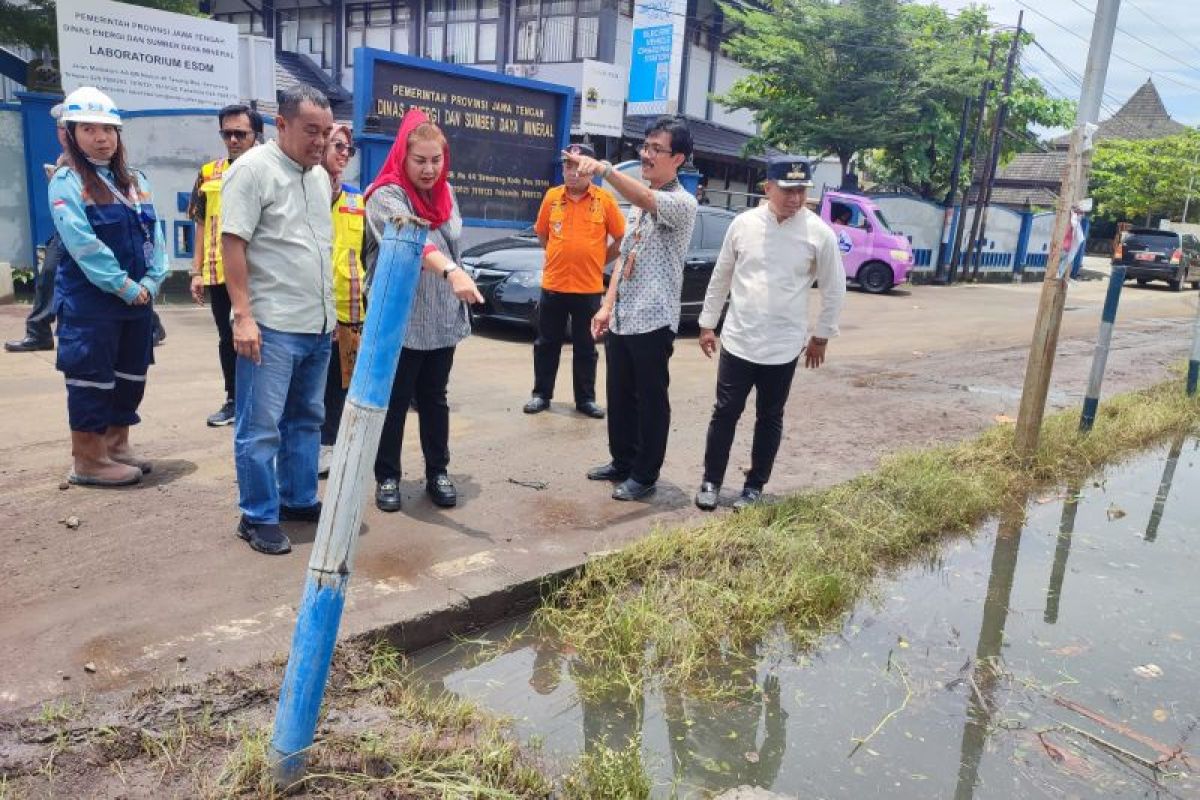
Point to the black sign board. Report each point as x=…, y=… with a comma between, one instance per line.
x=506, y=136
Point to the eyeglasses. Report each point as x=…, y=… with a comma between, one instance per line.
x=347, y=150
x=654, y=150
x=235, y=136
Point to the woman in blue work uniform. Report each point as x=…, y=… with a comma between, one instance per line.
x=114, y=262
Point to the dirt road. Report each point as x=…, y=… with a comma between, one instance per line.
x=154, y=585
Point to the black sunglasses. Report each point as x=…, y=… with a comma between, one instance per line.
x=345, y=149
x=235, y=136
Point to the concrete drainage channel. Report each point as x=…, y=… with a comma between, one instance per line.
x=472, y=614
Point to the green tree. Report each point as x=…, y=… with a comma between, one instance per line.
x=882, y=79
x=951, y=73
x=1143, y=179
x=31, y=22
x=825, y=76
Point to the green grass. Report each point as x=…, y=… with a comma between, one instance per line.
x=608, y=774
x=429, y=745
x=668, y=603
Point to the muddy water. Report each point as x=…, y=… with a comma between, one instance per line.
x=1054, y=654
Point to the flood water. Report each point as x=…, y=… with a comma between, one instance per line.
x=1055, y=653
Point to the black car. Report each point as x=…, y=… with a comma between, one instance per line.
x=1152, y=254
x=508, y=271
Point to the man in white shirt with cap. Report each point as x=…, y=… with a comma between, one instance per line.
x=771, y=257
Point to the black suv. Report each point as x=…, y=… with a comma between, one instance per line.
x=1152, y=254
x=508, y=271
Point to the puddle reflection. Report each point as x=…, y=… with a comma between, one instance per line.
x=907, y=680
x=1164, y=488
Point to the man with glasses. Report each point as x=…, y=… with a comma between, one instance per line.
x=640, y=311
x=580, y=227
x=240, y=127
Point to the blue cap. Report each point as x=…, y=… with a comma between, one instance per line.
x=789, y=172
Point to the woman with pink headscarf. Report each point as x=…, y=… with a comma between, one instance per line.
x=413, y=183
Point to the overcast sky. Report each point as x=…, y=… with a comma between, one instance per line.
x=1170, y=52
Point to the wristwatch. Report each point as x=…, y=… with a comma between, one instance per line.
x=607, y=169
x=819, y=340
x=449, y=268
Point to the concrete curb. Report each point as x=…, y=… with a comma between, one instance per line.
x=471, y=613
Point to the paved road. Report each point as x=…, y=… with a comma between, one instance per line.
x=154, y=584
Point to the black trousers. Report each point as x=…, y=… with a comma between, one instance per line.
x=41, y=316
x=222, y=308
x=423, y=374
x=735, y=378
x=335, y=398
x=639, y=404
x=553, y=311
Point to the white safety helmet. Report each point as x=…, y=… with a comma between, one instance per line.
x=89, y=104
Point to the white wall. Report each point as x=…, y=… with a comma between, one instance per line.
x=728, y=73
x=697, y=81
x=170, y=150
x=921, y=222
x=1040, y=233
x=566, y=74
x=1003, y=232
x=14, y=207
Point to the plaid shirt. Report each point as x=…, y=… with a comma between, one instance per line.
x=649, y=299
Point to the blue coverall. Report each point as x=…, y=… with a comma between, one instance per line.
x=105, y=342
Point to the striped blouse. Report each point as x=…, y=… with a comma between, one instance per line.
x=439, y=319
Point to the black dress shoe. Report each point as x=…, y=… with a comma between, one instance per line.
x=301, y=514
x=590, y=409
x=608, y=472
x=441, y=490
x=536, y=405
x=28, y=345
x=387, y=495
x=265, y=537
x=706, y=497
x=629, y=489
x=747, y=498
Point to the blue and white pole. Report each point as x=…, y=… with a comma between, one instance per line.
x=1107, y=319
x=1194, y=362
x=397, y=271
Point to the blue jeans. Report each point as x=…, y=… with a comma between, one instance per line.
x=277, y=434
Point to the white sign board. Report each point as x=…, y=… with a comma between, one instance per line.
x=145, y=58
x=257, y=82
x=603, y=105
x=656, y=56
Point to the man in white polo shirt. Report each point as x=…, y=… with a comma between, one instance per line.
x=277, y=248
x=769, y=261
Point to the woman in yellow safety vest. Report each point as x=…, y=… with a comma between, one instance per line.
x=348, y=276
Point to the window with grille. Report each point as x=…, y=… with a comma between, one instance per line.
x=383, y=25
x=462, y=31
x=552, y=31
x=248, y=22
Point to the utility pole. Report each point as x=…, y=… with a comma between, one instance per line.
x=997, y=142
x=952, y=195
x=1054, y=287
x=981, y=107
x=1187, y=201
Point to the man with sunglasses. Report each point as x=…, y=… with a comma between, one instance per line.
x=240, y=127
x=580, y=226
x=640, y=311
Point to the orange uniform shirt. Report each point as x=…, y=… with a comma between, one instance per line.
x=577, y=234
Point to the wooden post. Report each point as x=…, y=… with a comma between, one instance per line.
x=1058, y=268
